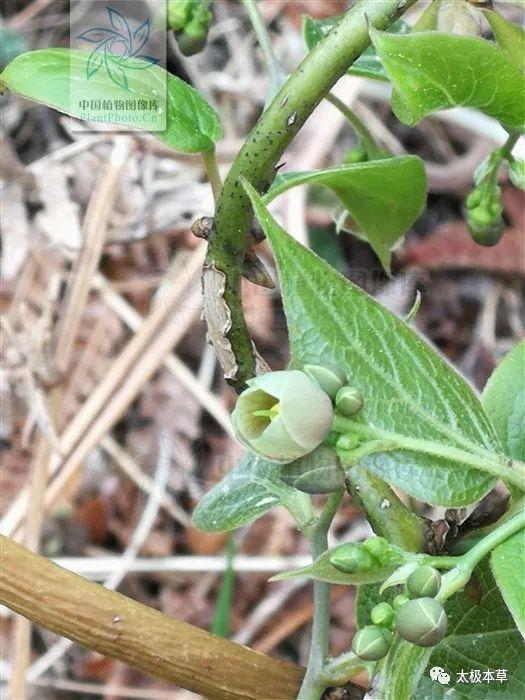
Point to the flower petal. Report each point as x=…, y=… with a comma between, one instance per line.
x=244, y=422
x=276, y=443
x=306, y=411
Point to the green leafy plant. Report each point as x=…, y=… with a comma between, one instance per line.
x=367, y=406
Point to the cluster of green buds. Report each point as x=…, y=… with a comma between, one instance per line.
x=374, y=553
x=286, y=417
x=190, y=20
x=485, y=215
x=419, y=619
x=484, y=210
x=373, y=642
x=422, y=620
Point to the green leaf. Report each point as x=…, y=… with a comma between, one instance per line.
x=481, y=635
x=503, y=400
x=384, y=197
x=510, y=37
x=49, y=75
x=508, y=567
x=368, y=65
x=322, y=570
x=246, y=493
x=408, y=389
x=432, y=71
x=403, y=667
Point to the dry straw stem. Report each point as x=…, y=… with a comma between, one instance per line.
x=142, y=637
x=132, y=318
x=140, y=358
x=95, y=228
x=130, y=467
x=124, y=394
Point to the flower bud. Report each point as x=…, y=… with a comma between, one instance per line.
x=422, y=621
x=282, y=416
x=178, y=13
x=371, y=643
x=383, y=614
x=424, y=582
x=317, y=472
x=329, y=377
x=191, y=40
x=486, y=224
x=399, y=601
x=377, y=546
x=348, y=401
x=190, y=19
x=483, y=205
x=350, y=558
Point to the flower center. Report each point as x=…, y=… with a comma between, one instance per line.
x=270, y=413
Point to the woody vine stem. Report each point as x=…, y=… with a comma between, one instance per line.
x=256, y=162
x=266, y=143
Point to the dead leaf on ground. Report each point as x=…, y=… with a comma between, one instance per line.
x=451, y=247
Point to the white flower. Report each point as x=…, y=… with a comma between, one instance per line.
x=282, y=415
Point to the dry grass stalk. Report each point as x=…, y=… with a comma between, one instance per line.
x=179, y=370
x=143, y=481
x=122, y=396
x=95, y=228
x=149, y=346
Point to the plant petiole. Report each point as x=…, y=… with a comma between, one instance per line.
x=314, y=684
x=499, y=466
x=374, y=151
x=456, y=579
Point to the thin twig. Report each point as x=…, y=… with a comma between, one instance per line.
x=122, y=692
x=95, y=229
x=275, y=72
x=357, y=125
x=124, y=395
x=26, y=14
x=268, y=607
x=210, y=163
